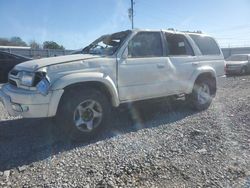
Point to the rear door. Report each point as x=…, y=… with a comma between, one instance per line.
x=183, y=59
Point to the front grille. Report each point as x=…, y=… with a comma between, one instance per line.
x=234, y=65
x=12, y=82
x=13, y=77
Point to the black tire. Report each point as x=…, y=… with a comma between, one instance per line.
x=193, y=98
x=65, y=127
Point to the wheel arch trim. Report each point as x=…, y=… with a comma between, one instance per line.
x=80, y=78
x=200, y=71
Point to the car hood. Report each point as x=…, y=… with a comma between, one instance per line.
x=236, y=62
x=35, y=64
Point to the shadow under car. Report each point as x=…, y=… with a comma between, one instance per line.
x=25, y=141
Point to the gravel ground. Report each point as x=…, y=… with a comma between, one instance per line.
x=160, y=144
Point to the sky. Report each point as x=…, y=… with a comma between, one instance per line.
x=74, y=24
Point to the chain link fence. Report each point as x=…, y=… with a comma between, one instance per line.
x=37, y=53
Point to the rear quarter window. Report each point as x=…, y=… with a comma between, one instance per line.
x=207, y=45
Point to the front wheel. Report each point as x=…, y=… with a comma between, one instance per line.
x=82, y=113
x=201, y=96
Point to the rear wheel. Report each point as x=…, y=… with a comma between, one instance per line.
x=202, y=94
x=82, y=114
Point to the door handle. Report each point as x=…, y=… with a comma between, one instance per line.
x=195, y=63
x=160, y=65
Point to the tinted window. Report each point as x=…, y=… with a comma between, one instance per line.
x=178, y=45
x=207, y=45
x=145, y=44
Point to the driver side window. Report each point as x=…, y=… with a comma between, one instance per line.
x=145, y=44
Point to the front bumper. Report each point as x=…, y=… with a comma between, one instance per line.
x=233, y=70
x=29, y=104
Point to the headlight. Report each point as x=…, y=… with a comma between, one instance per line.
x=42, y=81
x=43, y=86
x=27, y=78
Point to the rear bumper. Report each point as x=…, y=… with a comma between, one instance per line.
x=29, y=104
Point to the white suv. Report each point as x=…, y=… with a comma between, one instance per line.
x=80, y=90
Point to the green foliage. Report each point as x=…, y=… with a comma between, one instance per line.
x=13, y=41
x=52, y=45
x=17, y=41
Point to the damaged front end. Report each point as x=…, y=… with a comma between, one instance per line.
x=38, y=80
x=28, y=94
x=43, y=84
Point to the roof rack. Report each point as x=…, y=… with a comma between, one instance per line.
x=198, y=31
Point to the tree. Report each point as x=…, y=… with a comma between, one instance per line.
x=13, y=41
x=52, y=45
x=17, y=41
x=4, y=42
x=34, y=45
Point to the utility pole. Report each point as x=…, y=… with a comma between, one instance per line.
x=131, y=13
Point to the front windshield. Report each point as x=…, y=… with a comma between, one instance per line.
x=238, y=58
x=107, y=44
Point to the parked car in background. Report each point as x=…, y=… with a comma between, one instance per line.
x=238, y=64
x=7, y=62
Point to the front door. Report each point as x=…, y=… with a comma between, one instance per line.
x=144, y=72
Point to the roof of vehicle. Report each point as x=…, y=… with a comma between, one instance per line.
x=172, y=31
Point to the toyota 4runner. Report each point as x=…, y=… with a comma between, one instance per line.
x=79, y=90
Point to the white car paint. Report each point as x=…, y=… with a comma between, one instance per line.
x=127, y=79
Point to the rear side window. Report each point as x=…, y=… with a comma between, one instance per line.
x=145, y=44
x=207, y=45
x=178, y=45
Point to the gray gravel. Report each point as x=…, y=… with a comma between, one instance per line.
x=159, y=144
